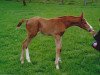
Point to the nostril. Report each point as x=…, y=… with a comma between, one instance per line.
x=90, y=30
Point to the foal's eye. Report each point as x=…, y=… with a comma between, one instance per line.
x=81, y=20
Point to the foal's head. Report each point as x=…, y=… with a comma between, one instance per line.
x=85, y=25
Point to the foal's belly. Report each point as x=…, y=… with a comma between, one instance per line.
x=51, y=27
x=47, y=31
x=52, y=30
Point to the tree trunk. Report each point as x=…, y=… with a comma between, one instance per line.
x=30, y=1
x=17, y=0
x=24, y=2
x=62, y=1
x=92, y=1
x=85, y=2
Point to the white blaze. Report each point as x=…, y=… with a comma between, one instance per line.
x=89, y=25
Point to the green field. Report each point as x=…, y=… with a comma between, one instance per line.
x=78, y=56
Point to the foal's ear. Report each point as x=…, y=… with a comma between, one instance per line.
x=81, y=15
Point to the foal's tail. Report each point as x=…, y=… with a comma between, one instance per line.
x=20, y=22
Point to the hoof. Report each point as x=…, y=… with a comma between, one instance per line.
x=22, y=62
x=28, y=60
x=57, y=67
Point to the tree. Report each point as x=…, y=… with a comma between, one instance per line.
x=24, y=2
x=92, y=1
x=62, y=1
x=85, y=2
x=17, y=0
x=30, y=1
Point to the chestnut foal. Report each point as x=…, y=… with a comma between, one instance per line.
x=54, y=27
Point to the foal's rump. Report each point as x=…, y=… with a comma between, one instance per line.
x=32, y=25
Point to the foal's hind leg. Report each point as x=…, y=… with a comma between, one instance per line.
x=25, y=46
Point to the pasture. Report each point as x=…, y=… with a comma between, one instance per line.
x=78, y=56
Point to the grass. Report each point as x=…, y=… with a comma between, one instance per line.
x=78, y=57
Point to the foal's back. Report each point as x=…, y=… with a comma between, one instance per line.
x=46, y=26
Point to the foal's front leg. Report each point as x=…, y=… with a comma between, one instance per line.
x=58, y=50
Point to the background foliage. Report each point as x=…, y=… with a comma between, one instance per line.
x=78, y=57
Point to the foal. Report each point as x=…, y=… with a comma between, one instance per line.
x=54, y=27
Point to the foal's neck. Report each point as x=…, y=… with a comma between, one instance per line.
x=70, y=21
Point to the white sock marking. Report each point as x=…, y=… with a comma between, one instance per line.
x=27, y=55
x=59, y=59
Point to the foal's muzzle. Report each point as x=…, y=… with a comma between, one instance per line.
x=91, y=31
